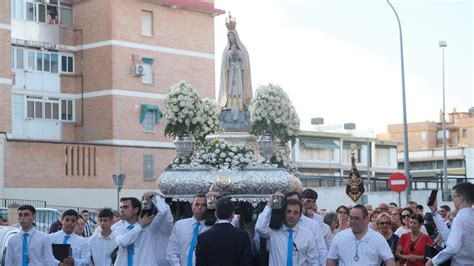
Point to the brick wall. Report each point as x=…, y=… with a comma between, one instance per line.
x=43, y=165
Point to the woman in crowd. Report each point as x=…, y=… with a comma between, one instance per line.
x=406, y=213
x=79, y=229
x=373, y=217
x=342, y=218
x=331, y=219
x=383, y=225
x=411, y=246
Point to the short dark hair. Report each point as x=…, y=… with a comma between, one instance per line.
x=70, y=212
x=292, y=202
x=84, y=211
x=418, y=217
x=309, y=194
x=199, y=195
x=466, y=190
x=292, y=193
x=445, y=207
x=393, y=203
x=106, y=213
x=224, y=208
x=27, y=207
x=361, y=207
x=419, y=207
x=135, y=203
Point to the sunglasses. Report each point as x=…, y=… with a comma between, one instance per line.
x=405, y=216
x=385, y=223
x=341, y=212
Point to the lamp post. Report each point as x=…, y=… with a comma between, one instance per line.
x=406, y=160
x=119, y=179
x=443, y=45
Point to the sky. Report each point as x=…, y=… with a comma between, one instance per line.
x=340, y=59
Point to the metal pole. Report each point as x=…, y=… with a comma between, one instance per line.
x=118, y=199
x=445, y=162
x=406, y=160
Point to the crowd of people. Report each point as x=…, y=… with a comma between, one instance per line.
x=287, y=230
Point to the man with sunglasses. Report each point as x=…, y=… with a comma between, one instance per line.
x=360, y=245
x=460, y=240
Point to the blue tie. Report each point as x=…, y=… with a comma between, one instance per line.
x=25, y=250
x=130, y=249
x=66, y=238
x=289, y=260
x=193, y=243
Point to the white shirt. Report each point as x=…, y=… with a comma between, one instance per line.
x=460, y=243
x=304, y=252
x=80, y=249
x=39, y=249
x=401, y=230
x=101, y=248
x=441, y=227
x=180, y=240
x=371, y=249
x=325, y=229
x=314, y=227
x=150, y=242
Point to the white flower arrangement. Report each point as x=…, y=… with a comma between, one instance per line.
x=221, y=154
x=181, y=110
x=208, y=120
x=272, y=113
x=280, y=159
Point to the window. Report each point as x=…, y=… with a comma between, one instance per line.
x=66, y=14
x=439, y=134
x=31, y=60
x=36, y=60
x=147, y=23
x=31, y=11
x=423, y=135
x=54, y=63
x=67, y=109
x=347, y=155
x=317, y=154
x=147, y=77
x=39, y=61
x=464, y=133
x=149, y=121
x=18, y=9
x=18, y=61
x=382, y=156
x=49, y=108
x=148, y=166
x=67, y=64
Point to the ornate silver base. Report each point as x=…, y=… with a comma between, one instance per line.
x=250, y=184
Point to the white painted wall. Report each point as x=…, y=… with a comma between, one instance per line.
x=35, y=32
x=37, y=80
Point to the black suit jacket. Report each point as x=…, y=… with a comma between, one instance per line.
x=223, y=245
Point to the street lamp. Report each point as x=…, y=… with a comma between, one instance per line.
x=119, y=179
x=443, y=45
x=406, y=160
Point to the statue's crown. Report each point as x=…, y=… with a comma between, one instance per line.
x=230, y=22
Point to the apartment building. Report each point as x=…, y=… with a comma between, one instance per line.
x=425, y=144
x=323, y=158
x=82, y=85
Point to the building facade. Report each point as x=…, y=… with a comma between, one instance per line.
x=323, y=159
x=426, y=154
x=82, y=85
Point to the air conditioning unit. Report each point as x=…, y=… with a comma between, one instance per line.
x=138, y=70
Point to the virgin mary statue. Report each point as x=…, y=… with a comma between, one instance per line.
x=235, y=93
